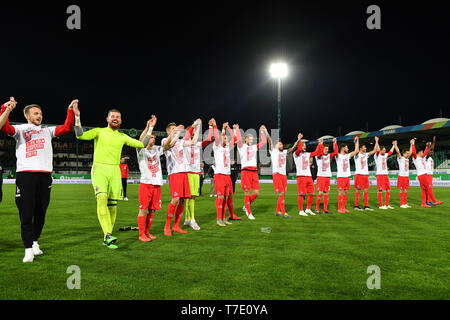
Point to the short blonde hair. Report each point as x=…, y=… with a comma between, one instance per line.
x=27, y=108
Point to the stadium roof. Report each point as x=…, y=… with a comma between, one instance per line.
x=327, y=137
x=393, y=126
x=439, y=127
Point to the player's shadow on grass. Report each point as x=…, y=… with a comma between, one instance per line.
x=8, y=245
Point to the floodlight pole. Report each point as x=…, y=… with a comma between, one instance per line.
x=279, y=107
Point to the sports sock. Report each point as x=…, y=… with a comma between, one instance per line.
x=380, y=198
x=318, y=199
x=190, y=209
x=424, y=196
x=325, y=202
x=431, y=194
x=405, y=198
x=224, y=208
x=344, y=201
x=170, y=213
x=178, y=216
x=112, y=207
x=400, y=196
x=148, y=221
x=300, y=202
x=102, y=213
x=366, y=199
x=230, y=206
x=282, y=205
x=356, y=199
x=219, y=207
x=309, y=201
x=278, y=205
x=340, y=201
x=141, y=224
x=252, y=198
x=247, y=204
x=387, y=197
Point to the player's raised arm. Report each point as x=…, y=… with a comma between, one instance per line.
x=335, y=149
x=68, y=124
x=238, y=135
x=356, y=151
x=4, y=121
x=319, y=150
x=209, y=139
x=269, y=141
x=433, y=143
x=173, y=138
x=300, y=145
x=292, y=149
x=397, y=151
x=233, y=137
x=377, y=145
x=262, y=133
x=374, y=148
x=413, y=148
x=394, y=144
x=146, y=134
x=197, y=126
x=88, y=135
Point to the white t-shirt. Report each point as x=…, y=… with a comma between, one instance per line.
x=429, y=164
x=247, y=155
x=222, y=159
x=150, y=165
x=323, y=166
x=381, y=163
x=34, y=150
x=278, y=160
x=176, y=160
x=361, y=163
x=343, y=165
x=302, y=164
x=403, y=167
x=419, y=163
x=193, y=154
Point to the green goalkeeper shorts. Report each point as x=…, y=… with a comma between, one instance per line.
x=106, y=178
x=194, y=183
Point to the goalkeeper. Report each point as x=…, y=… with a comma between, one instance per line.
x=105, y=172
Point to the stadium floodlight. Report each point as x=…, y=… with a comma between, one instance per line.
x=279, y=71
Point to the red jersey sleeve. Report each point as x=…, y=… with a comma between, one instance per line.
x=68, y=124
x=208, y=140
x=262, y=142
x=7, y=128
x=414, y=151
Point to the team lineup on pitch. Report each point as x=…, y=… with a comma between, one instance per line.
x=183, y=158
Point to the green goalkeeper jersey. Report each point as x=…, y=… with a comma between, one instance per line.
x=108, y=144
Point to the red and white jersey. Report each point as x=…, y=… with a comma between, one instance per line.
x=362, y=163
x=324, y=166
x=403, y=167
x=176, y=160
x=302, y=164
x=429, y=165
x=150, y=165
x=247, y=155
x=419, y=163
x=222, y=158
x=381, y=163
x=343, y=165
x=278, y=159
x=34, y=150
x=194, y=154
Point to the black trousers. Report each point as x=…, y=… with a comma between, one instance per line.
x=233, y=181
x=124, y=186
x=32, y=199
x=201, y=185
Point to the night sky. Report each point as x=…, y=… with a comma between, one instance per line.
x=182, y=62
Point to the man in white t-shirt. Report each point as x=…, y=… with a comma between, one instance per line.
x=422, y=176
x=344, y=173
x=362, y=175
x=249, y=172
x=34, y=155
x=383, y=183
x=403, y=175
x=176, y=161
x=278, y=158
x=150, y=182
x=324, y=175
x=429, y=164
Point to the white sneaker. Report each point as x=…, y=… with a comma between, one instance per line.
x=403, y=206
x=29, y=256
x=245, y=210
x=187, y=222
x=310, y=212
x=251, y=217
x=389, y=207
x=407, y=206
x=302, y=213
x=220, y=223
x=36, y=250
x=383, y=208
x=125, y=199
x=194, y=225
x=210, y=195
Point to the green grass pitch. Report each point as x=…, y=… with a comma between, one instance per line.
x=316, y=257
